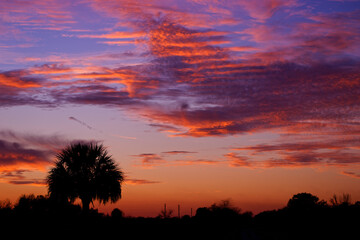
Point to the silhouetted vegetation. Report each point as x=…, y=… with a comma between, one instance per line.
x=304, y=217
x=85, y=171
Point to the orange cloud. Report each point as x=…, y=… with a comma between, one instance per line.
x=297, y=76
x=238, y=161
x=116, y=35
x=118, y=42
x=17, y=177
x=17, y=79
x=13, y=155
x=197, y=162
x=133, y=181
x=350, y=174
x=242, y=48
x=133, y=12
x=149, y=160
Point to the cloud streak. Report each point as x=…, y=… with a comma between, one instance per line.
x=134, y=181
x=323, y=153
x=350, y=174
x=17, y=177
x=149, y=160
x=81, y=122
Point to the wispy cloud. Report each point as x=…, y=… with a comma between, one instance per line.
x=17, y=177
x=166, y=159
x=178, y=152
x=351, y=174
x=134, y=181
x=149, y=160
x=190, y=162
x=322, y=153
x=236, y=160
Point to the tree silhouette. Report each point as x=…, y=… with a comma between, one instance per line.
x=302, y=201
x=85, y=171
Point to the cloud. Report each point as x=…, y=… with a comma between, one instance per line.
x=19, y=87
x=18, y=79
x=13, y=153
x=133, y=13
x=165, y=128
x=35, y=182
x=350, y=174
x=238, y=161
x=196, y=162
x=192, y=86
x=263, y=10
x=196, y=80
x=36, y=14
x=338, y=152
x=149, y=160
x=268, y=89
x=22, y=154
x=134, y=181
x=178, y=152
x=52, y=142
x=17, y=177
x=115, y=35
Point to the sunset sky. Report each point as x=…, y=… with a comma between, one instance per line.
x=197, y=100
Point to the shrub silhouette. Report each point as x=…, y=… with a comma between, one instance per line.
x=117, y=213
x=85, y=171
x=224, y=213
x=344, y=200
x=304, y=201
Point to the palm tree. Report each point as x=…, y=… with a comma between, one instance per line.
x=85, y=171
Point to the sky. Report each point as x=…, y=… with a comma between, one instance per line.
x=196, y=100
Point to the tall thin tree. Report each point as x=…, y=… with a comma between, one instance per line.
x=85, y=171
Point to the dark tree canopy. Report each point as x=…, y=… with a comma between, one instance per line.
x=85, y=171
x=304, y=201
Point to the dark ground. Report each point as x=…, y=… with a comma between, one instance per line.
x=305, y=217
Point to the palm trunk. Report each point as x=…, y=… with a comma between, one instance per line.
x=85, y=204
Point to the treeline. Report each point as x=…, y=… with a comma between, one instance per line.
x=304, y=217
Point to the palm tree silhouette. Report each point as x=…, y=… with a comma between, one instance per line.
x=85, y=171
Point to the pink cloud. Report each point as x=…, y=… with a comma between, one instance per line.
x=150, y=160
x=238, y=161
x=262, y=10
x=195, y=81
x=178, y=152
x=337, y=152
x=52, y=14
